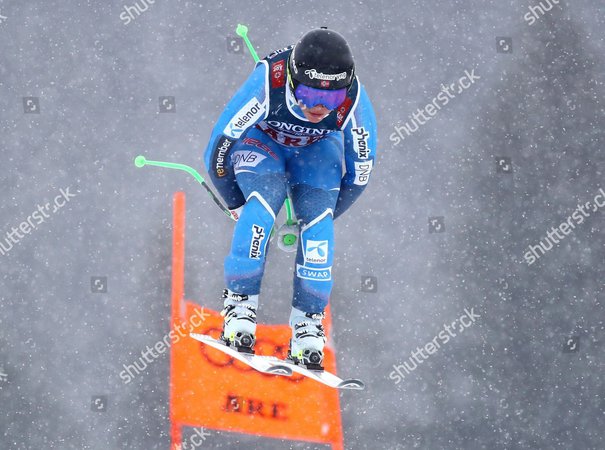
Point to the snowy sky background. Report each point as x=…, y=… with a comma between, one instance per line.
x=506, y=382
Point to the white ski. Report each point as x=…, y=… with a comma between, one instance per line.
x=264, y=364
x=276, y=366
x=325, y=377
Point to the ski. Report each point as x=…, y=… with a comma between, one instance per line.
x=264, y=364
x=324, y=377
x=276, y=366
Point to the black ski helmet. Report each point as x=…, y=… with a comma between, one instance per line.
x=321, y=59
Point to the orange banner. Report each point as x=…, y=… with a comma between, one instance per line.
x=210, y=389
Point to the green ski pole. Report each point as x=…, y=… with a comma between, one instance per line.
x=141, y=161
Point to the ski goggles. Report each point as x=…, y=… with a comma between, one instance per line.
x=311, y=97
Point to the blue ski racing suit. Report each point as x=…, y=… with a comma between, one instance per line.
x=263, y=148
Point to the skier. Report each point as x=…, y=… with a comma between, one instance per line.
x=301, y=124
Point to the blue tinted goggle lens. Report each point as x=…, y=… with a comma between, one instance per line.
x=311, y=97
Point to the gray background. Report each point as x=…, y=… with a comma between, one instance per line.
x=505, y=383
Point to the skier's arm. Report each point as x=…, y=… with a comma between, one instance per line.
x=360, y=151
x=247, y=107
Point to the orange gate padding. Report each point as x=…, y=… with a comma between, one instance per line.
x=209, y=389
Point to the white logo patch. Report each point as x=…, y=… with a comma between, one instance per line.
x=316, y=252
x=314, y=74
x=244, y=158
x=308, y=273
x=362, y=172
x=250, y=113
x=360, y=142
x=297, y=129
x=258, y=234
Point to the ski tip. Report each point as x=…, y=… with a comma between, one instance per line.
x=279, y=370
x=205, y=339
x=352, y=384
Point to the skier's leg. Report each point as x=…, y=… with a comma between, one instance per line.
x=259, y=167
x=314, y=175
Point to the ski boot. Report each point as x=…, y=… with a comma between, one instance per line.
x=239, y=326
x=308, y=339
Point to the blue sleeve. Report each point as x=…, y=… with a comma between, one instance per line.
x=360, y=152
x=248, y=106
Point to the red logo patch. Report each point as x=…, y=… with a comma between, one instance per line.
x=278, y=70
x=324, y=83
x=343, y=109
x=258, y=144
